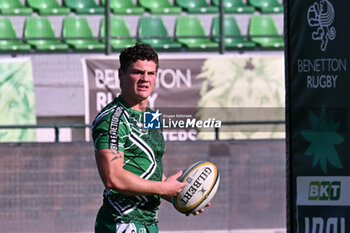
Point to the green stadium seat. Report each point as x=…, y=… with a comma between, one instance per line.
x=39, y=33
x=124, y=7
x=197, y=6
x=151, y=30
x=267, y=6
x=189, y=31
x=77, y=32
x=233, y=37
x=235, y=6
x=160, y=7
x=14, y=7
x=48, y=7
x=84, y=6
x=118, y=28
x=263, y=31
x=8, y=37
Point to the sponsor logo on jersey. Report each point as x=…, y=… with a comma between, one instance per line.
x=113, y=128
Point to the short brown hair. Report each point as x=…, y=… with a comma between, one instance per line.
x=137, y=52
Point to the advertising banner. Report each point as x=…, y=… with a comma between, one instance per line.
x=196, y=95
x=17, y=105
x=317, y=78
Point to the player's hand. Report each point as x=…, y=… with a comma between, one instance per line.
x=172, y=186
x=200, y=211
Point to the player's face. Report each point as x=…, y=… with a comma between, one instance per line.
x=138, y=80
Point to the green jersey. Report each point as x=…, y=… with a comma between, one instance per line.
x=119, y=127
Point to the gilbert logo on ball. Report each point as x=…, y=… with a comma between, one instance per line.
x=202, y=180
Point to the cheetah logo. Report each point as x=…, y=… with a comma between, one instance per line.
x=321, y=15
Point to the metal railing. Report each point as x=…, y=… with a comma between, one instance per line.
x=58, y=126
x=217, y=130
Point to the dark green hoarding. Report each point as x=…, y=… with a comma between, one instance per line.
x=317, y=105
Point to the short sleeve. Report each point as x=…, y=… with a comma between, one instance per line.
x=111, y=131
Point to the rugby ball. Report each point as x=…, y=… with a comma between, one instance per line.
x=202, y=180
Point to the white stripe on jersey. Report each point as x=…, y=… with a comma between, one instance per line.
x=142, y=201
x=102, y=114
x=127, y=118
x=128, y=208
x=148, y=151
x=143, y=146
x=126, y=228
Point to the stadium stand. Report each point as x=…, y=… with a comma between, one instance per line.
x=160, y=7
x=8, y=37
x=51, y=174
x=84, y=6
x=197, y=6
x=189, y=31
x=263, y=31
x=77, y=32
x=48, y=7
x=151, y=30
x=124, y=7
x=236, y=35
x=14, y=7
x=39, y=33
x=267, y=6
x=119, y=32
x=233, y=37
x=235, y=6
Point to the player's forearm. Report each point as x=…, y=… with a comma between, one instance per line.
x=114, y=176
x=130, y=184
x=166, y=197
x=110, y=165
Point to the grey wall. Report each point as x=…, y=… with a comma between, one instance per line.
x=56, y=187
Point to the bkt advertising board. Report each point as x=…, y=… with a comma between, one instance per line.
x=317, y=103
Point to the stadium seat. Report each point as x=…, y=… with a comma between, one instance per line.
x=84, y=6
x=233, y=37
x=118, y=28
x=39, y=33
x=8, y=37
x=267, y=6
x=197, y=6
x=263, y=31
x=48, y=7
x=14, y=7
x=77, y=32
x=124, y=7
x=189, y=31
x=160, y=7
x=151, y=30
x=235, y=6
